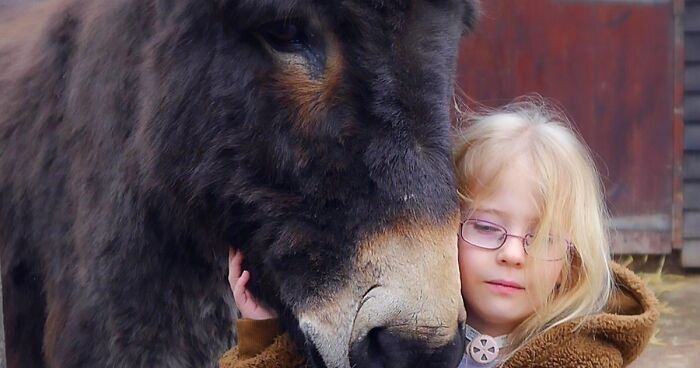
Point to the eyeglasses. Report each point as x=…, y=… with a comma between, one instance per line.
x=487, y=235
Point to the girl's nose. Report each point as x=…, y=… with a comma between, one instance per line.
x=512, y=252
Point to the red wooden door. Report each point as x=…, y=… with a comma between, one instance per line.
x=612, y=66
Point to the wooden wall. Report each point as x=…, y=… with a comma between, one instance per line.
x=612, y=66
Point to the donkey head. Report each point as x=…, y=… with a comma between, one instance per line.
x=319, y=133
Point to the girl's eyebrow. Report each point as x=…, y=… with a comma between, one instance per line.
x=502, y=217
x=502, y=214
x=492, y=211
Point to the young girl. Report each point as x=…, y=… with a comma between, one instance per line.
x=537, y=281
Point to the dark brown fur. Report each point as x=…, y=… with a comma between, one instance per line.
x=139, y=139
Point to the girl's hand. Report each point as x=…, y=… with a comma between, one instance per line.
x=249, y=307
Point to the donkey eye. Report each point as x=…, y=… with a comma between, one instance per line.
x=284, y=35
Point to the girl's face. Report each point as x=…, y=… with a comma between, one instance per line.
x=494, y=283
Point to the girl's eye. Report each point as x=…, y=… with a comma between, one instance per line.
x=284, y=35
x=486, y=228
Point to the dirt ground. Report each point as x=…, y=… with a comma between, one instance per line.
x=676, y=343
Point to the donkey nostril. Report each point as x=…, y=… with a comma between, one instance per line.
x=376, y=349
x=378, y=341
x=382, y=347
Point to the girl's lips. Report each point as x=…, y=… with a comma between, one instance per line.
x=504, y=286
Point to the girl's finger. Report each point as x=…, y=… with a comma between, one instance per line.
x=234, y=265
x=240, y=293
x=245, y=276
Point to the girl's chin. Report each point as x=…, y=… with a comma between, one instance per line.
x=502, y=314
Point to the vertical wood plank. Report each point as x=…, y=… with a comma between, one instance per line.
x=678, y=123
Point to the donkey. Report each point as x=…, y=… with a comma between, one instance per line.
x=140, y=139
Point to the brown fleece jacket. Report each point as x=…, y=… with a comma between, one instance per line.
x=613, y=338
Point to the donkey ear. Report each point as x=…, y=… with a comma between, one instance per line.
x=472, y=12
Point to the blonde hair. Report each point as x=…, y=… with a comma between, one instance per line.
x=569, y=200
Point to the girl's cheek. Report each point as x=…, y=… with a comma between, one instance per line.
x=471, y=262
x=463, y=262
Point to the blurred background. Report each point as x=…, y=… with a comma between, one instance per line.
x=628, y=74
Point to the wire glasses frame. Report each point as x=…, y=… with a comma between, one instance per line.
x=488, y=235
